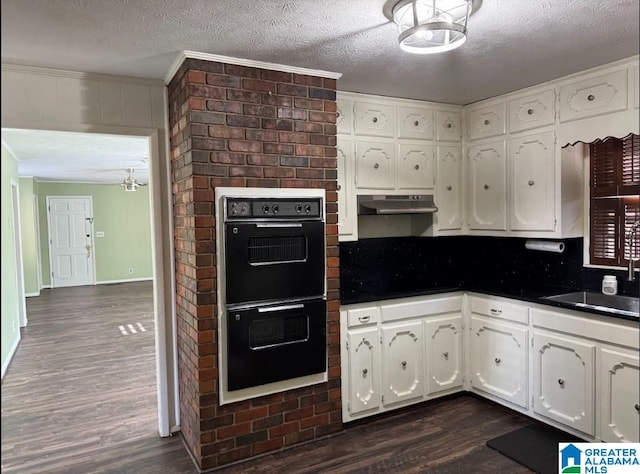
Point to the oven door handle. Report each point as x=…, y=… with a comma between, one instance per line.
x=280, y=308
x=279, y=224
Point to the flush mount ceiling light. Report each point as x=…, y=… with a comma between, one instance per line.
x=431, y=26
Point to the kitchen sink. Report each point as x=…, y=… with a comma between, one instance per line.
x=618, y=304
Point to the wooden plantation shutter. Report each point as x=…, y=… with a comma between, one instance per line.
x=615, y=201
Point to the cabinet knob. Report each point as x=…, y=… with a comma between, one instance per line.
x=486, y=122
x=591, y=97
x=363, y=319
x=530, y=111
x=417, y=167
x=374, y=119
x=531, y=183
x=449, y=125
x=338, y=114
x=560, y=382
x=637, y=407
x=446, y=355
x=496, y=312
x=376, y=165
x=486, y=186
x=339, y=187
x=404, y=364
x=364, y=372
x=416, y=123
x=449, y=188
x=497, y=360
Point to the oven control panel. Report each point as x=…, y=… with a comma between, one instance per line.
x=264, y=208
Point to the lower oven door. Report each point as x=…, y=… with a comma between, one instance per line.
x=274, y=261
x=278, y=342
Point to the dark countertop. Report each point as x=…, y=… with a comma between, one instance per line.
x=531, y=295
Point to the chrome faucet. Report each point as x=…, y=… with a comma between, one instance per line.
x=631, y=275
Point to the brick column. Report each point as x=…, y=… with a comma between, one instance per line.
x=245, y=127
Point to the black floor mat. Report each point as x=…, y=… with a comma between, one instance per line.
x=534, y=446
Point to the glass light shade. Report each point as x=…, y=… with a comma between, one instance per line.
x=431, y=26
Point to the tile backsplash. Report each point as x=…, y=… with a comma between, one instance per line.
x=389, y=265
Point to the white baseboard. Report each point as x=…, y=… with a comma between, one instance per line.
x=10, y=355
x=45, y=287
x=29, y=295
x=128, y=280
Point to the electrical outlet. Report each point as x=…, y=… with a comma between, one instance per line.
x=130, y=270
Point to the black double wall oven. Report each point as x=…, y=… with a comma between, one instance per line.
x=274, y=273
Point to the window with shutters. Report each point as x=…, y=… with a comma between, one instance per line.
x=615, y=200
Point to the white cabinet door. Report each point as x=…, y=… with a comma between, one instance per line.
x=563, y=371
x=363, y=390
x=597, y=95
x=487, y=195
x=449, y=188
x=448, y=126
x=415, y=123
x=443, y=346
x=374, y=119
x=346, y=190
x=375, y=164
x=415, y=166
x=344, y=116
x=620, y=397
x=499, y=359
x=532, y=182
x=402, y=362
x=487, y=122
x=537, y=110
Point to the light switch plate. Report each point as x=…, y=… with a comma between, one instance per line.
x=100, y=233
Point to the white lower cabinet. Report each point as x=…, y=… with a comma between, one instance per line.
x=563, y=380
x=443, y=353
x=499, y=359
x=620, y=389
x=363, y=348
x=402, y=362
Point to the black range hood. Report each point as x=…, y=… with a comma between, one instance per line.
x=379, y=204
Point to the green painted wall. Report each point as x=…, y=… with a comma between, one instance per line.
x=123, y=216
x=10, y=323
x=29, y=236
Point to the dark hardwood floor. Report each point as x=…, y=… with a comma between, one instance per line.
x=80, y=397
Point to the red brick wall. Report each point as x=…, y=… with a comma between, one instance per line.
x=246, y=127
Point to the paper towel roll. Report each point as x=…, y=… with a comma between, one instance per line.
x=545, y=246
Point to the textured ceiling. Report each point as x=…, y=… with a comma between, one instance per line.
x=511, y=43
x=79, y=157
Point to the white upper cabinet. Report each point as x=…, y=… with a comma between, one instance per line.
x=347, y=226
x=415, y=166
x=532, y=111
x=532, y=182
x=415, y=123
x=598, y=95
x=487, y=121
x=487, y=186
x=344, y=117
x=374, y=119
x=375, y=164
x=449, y=188
x=448, y=126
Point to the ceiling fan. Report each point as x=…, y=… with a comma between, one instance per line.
x=130, y=183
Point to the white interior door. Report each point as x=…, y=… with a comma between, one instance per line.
x=70, y=242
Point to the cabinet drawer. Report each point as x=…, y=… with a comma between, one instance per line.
x=487, y=122
x=413, y=309
x=599, y=95
x=344, y=116
x=415, y=123
x=448, y=126
x=374, y=119
x=363, y=316
x=537, y=110
x=500, y=309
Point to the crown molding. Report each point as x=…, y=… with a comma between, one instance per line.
x=186, y=54
x=41, y=71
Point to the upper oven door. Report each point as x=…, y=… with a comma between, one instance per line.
x=274, y=261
